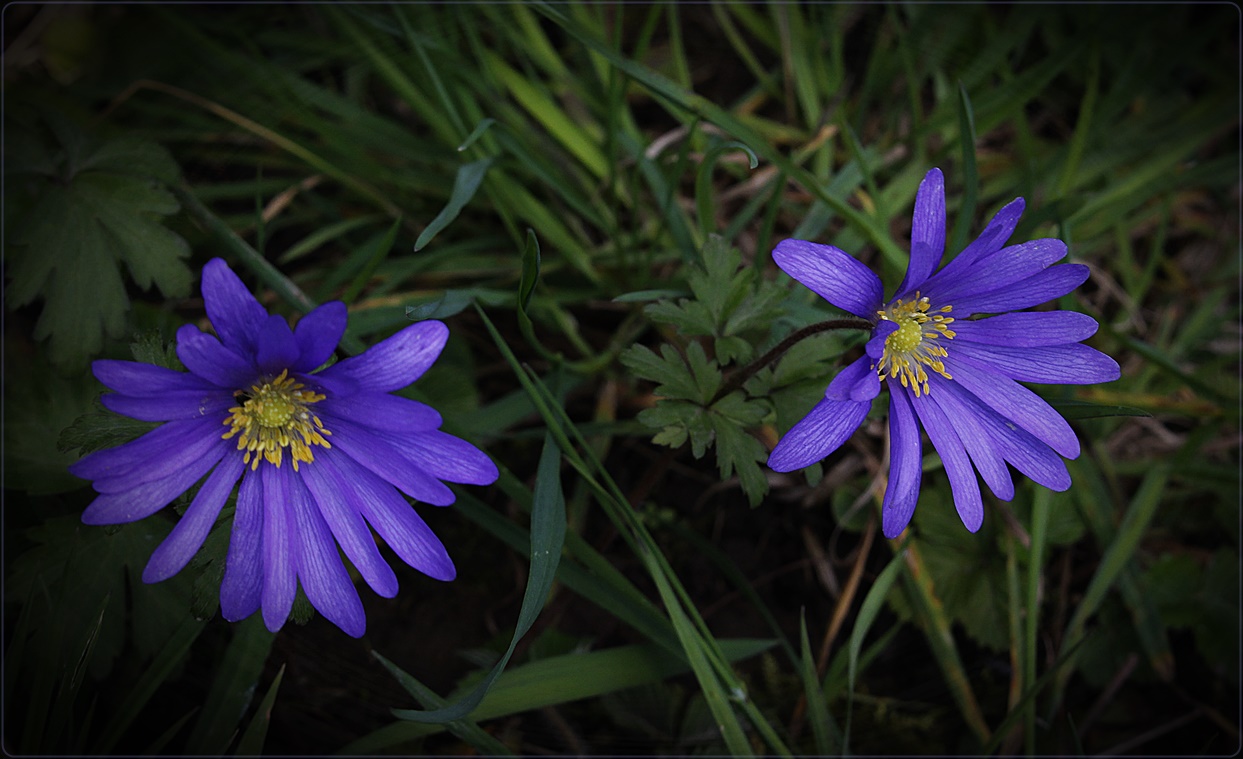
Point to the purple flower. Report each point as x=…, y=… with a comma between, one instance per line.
x=318, y=455
x=951, y=376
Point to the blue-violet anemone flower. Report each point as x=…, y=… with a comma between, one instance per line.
x=320, y=455
x=955, y=377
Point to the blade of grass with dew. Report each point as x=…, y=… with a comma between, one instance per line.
x=251, y=742
x=871, y=606
x=547, y=539
x=232, y=688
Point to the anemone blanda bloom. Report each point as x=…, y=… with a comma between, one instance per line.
x=954, y=377
x=320, y=455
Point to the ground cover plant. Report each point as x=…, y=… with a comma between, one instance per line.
x=543, y=301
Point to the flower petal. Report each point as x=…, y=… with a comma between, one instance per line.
x=1015, y=402
x=182, y=404
x=113, y=462
x=832, y=274
x=1053, y=282
x=1072, y=364
x=905, y=459
x=980, y=446
x=318, y=334
x=399, y=524
x=876, y=345
x=189, y=452
x=149, y=497
x=206, y=357
x=927, y=232
x=997, y=271
x=1018, y=446
x=145, y=380
x=991, y=240
x=380, y=454
x=963, y=482
x=857, y=382
x=818, y=434
x=448, y=458
x=278, y=350
x=242, y=588
x=395, y=362
x=234, y=312
x=337, y=500
x=280, y=568
x=324, y=580
x=1028, y=329
x=381, y=411
x=172, y=555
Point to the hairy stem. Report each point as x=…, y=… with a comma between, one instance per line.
x=747, y=372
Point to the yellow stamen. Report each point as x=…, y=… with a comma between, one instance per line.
x=910, y=347
x=273, y=417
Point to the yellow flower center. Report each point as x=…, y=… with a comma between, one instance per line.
x=912, y=346
x=274, y=416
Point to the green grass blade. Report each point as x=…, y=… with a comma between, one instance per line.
x=465, y=184
x=970, y=176
x=232, y=688
x=251, y=742
x=868, y=610
x=824, y=730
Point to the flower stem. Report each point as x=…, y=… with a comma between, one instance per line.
x=747, y=372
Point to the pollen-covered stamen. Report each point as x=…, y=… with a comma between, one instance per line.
x=274, y=416
x=912, y=346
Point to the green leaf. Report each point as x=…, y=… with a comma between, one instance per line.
x=465, y=184
x=97, y=214
x=547, y=537
x=232, y=688
x=251, y=743
x=870, y=607
x=669, y=370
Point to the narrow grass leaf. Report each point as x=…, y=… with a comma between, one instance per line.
x=827, y=744
x=383, y=247
x=971, y=179
x=868, y=610
x=476, y=133
x=251, y=742
x=232, y=689
x=547, y=538
x=465, y=184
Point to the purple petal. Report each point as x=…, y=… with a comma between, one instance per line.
x=145, y=380
x=1053, y=282
x=1028, y=329
x=242, y=589
x=857, y=382
x=113, y=462
x=234, y=312
x=324, y=580
x=927, y=232
x=206, y=357
x=818, y=434
x=189, y=452
x=183, y=404
x=997, y=271
x=1073, y=364
x=393, y=363
x=191, y=530
x=280, y=568
x=278, y=350
x=905, y=461
x=399, y=524
x=318, y=334
x=148, y=497
x=832, y=274
x=1015, y=402
x=1018, y=446
x=963, y=482
x=992, y=239
x=382, y=456
x=381, y=411
x=448, y=458
x=337, y=500
x=980, y=446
